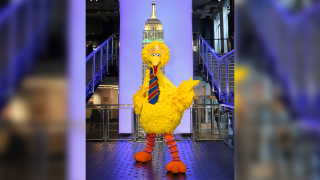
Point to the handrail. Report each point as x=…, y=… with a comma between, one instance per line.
x=9, y=9
x=224, y=56
x=225, y=40
x=211, y=49
x=99, y=47
x=228, y=106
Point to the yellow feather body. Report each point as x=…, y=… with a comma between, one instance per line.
x=166, y=114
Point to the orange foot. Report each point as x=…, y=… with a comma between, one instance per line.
x=142, y=156
x=176, y=167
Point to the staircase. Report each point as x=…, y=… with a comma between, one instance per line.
x=99, y=63
x=218, y=69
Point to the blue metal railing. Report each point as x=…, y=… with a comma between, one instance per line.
x=98, y=63
x=218, y=70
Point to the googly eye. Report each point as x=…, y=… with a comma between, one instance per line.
x=153, y=54
x=158, y=55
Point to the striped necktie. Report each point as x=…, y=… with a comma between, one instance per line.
x=154, y=91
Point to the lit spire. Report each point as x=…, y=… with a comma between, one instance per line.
x=153, y=13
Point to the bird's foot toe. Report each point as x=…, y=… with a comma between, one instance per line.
x=176, y=167
x=142, y=156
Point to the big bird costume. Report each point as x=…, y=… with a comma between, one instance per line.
x=160, y=104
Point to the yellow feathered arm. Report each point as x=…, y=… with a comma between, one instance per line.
x=141, y=96
x=183, y=97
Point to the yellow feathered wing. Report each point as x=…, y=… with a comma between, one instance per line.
x=183, y=96
x=166, y=114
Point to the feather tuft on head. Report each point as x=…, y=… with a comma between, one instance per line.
x=156, y=47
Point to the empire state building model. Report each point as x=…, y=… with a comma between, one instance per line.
x=153, y=32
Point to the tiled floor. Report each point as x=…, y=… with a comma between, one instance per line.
x=114, y=160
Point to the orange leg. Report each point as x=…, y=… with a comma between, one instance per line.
x=176, y=165
x=145, y=155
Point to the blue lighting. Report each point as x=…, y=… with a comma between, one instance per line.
x=177, y=25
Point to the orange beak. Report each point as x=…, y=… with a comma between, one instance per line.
x=155, y=70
